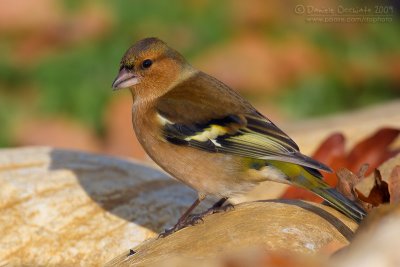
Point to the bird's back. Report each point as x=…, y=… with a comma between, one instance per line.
x=201, y=98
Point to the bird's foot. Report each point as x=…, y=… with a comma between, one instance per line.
x=167, y=232
x=196, y=218
x=189, y=221
x=219, y=209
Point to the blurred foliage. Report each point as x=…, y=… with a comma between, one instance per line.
x=325, y=94
x=309, y=100
x=76, y=80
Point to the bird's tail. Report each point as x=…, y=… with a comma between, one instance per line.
x=341, y=203
x=310, y=179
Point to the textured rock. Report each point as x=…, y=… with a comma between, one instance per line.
x=292, y=226
x=377, y=243
x=68, y=208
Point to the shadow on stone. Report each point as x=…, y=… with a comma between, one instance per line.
x=130, y=190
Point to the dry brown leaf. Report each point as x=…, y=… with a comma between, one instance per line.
x=372, y=150
x=346, y=183
x=394, y=185
x=379, y=194
x=332, y=152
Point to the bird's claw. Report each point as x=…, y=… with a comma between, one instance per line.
x=213, y=210
x=191, y=220
x=227, y=207
x=167, y=232
x=195, y=219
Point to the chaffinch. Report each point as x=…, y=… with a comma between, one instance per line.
x=207, y=136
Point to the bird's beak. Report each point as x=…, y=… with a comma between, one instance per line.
x=124, y=79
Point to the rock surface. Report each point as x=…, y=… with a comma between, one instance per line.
x=295, y=226
x=377, y=243
x=68, y=208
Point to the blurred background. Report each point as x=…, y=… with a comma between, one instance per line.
x=59, y=58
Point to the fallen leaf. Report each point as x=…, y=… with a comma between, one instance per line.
x=332, y=153
x=346, y=183
x=372, y=150
x=394, y=185
x=379, y=193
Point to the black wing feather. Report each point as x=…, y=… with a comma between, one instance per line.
x=256, y=138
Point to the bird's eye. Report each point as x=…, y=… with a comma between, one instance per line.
x=147, y=63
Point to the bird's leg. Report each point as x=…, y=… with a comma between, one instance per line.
x=217, y=207
x=183, y=220
x=219, y=203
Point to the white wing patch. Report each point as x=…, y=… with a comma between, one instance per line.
x=215, y=142
x=163, y=120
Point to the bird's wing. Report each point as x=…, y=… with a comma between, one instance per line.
x=198, y=114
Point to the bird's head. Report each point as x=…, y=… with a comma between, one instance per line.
x=150, y=68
